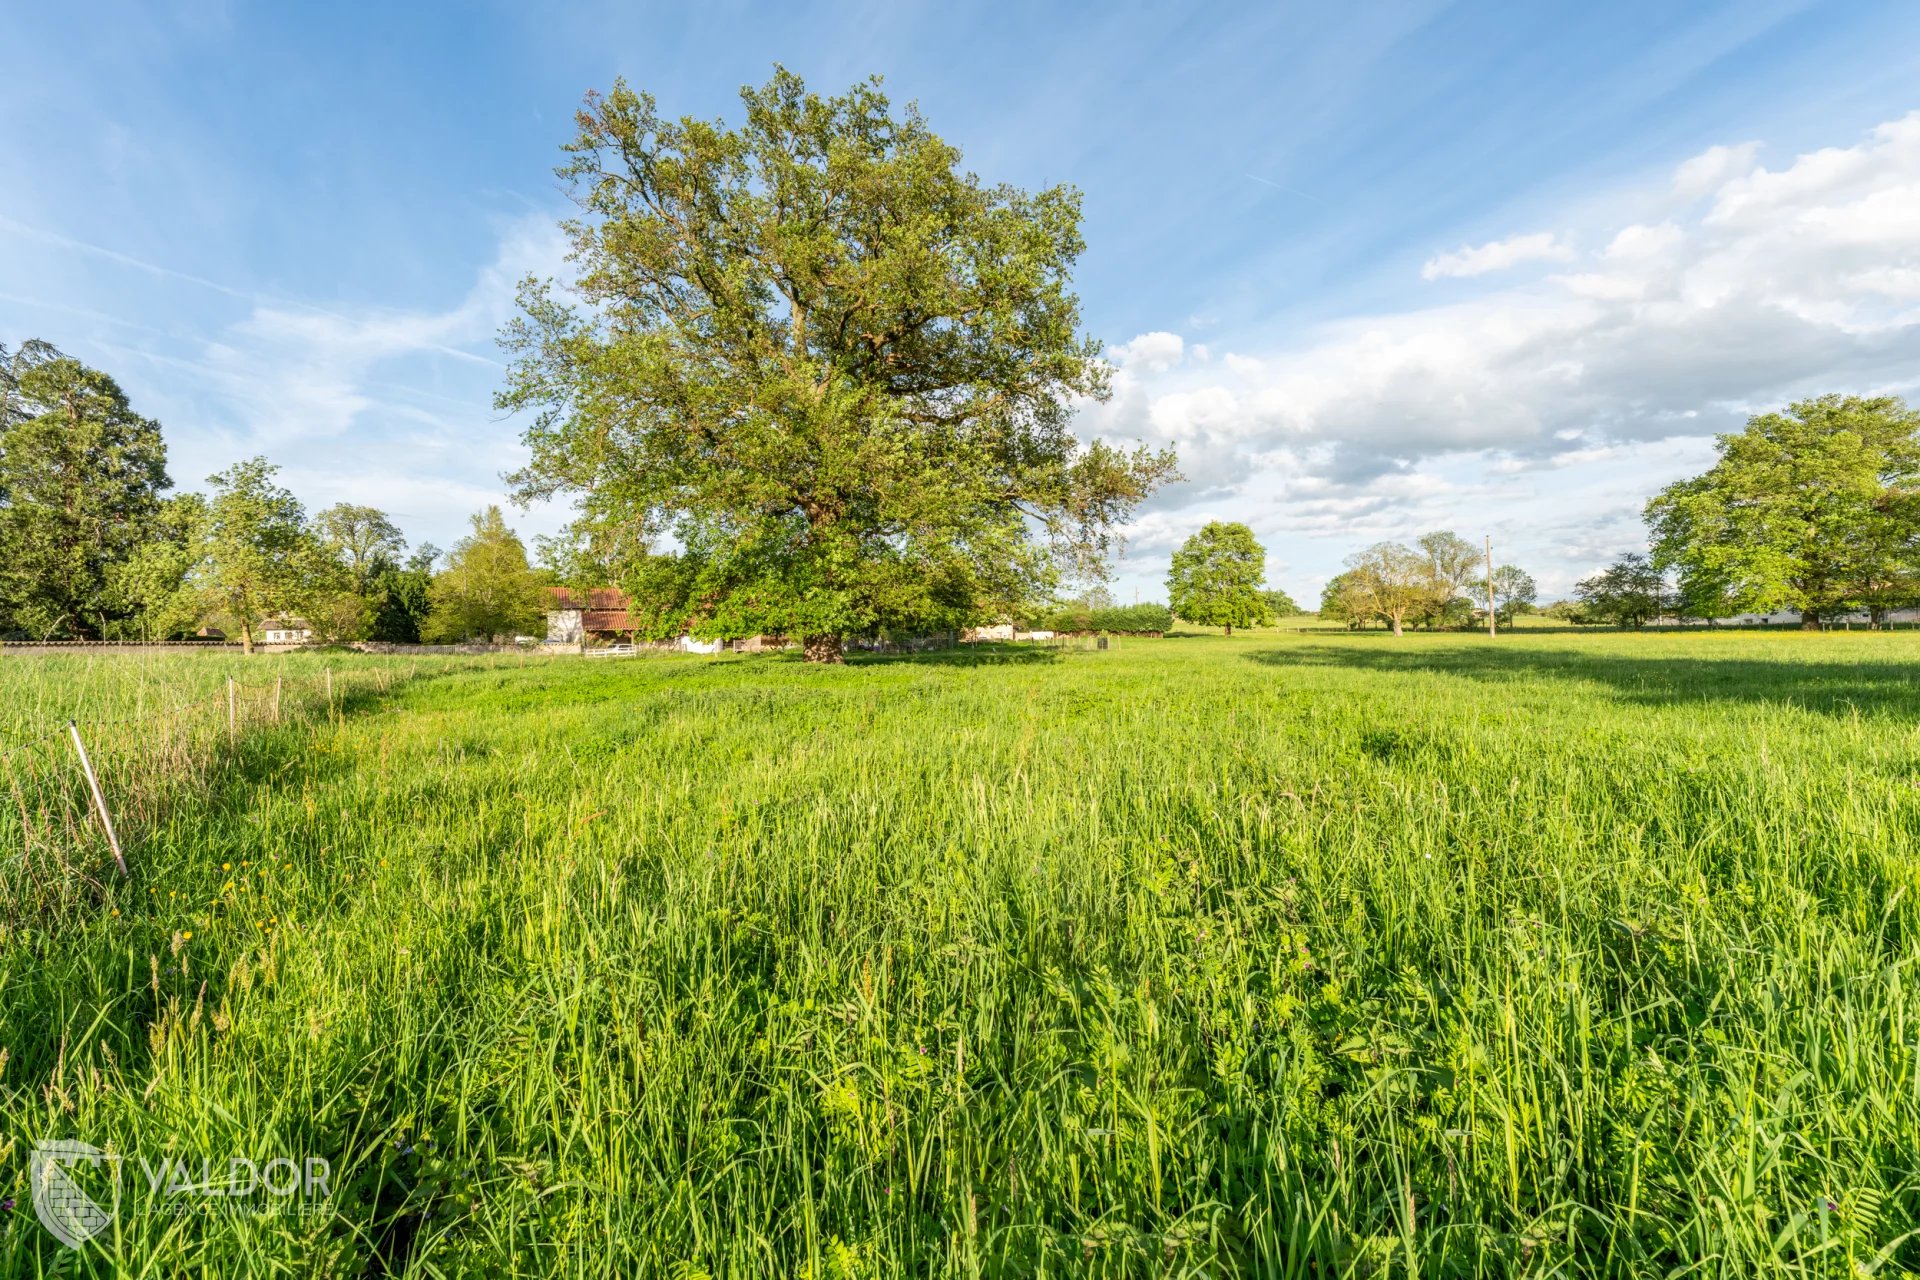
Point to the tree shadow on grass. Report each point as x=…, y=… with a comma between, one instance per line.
x=1872, y=687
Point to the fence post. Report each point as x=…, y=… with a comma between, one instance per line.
x=276, y=699
x=230, y=733
x=99, y=801
x=329, y=688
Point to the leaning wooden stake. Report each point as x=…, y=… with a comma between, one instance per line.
x=276, y=699
x=229, y=710
x=329, y=688
x=99, y=801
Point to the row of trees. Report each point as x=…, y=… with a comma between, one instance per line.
x=1437, y=582
x=1218, y=580
x=92, y=545
x=1814, y=510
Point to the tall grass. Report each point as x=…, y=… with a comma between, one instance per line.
x=158, y=728
x=1312, y=955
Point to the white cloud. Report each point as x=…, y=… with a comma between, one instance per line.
x=1498, y=255
x=1705, y=172
x=1595, y=383
x=1154, y=352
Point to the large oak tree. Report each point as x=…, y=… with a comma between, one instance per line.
x=827, y=367
x=1815, y=509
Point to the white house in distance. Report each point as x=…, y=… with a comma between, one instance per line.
x=1790, y=617
x=281, y=629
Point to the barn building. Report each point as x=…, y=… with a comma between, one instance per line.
x=597, y=616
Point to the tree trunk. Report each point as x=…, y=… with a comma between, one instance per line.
x=1396, y=627
x=1809, y=620
x=823, y=649
x=1229, y=628
x=246, y=638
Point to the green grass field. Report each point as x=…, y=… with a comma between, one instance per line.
x=1299, y=955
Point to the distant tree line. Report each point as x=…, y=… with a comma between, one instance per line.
x=94, y=546
x=1438, y=582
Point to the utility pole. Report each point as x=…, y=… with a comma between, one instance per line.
x=1493, y=628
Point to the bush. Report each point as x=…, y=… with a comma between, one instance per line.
x=1131, y=619
x=1074, y=617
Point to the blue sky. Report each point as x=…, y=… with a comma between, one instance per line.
x=1372, y=269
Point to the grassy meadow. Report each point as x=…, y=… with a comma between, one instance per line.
x=1286, y=955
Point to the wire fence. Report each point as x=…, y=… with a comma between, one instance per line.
x=78, y=794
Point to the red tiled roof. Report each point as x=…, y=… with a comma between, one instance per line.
x=599, y=599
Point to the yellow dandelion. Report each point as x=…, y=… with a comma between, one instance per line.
x=116, y=911
x=226, y=866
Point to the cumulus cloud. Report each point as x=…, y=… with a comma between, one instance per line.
x=1774, y=283
x=1498, y=255
x=1154, y=352
x=1793, y=280
x=1705, y=172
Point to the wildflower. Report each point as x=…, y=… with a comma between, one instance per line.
x=188, y=935
x=116, y=911
x=6, y=1206
x=226, y=866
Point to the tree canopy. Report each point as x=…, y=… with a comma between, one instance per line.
x=1513, y=591
x=1815, y=509
x=362, y=538
x=257, y=557
x=81, y=478
x=1389, y=581
x=1280, y=604
x=1217, y=576
x=819, y=378
x=1631, y=592
x=487, y=591
x=1453, y=569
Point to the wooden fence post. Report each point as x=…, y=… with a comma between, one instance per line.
x=99, y=801
x=276, y=699
x=230, y=730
